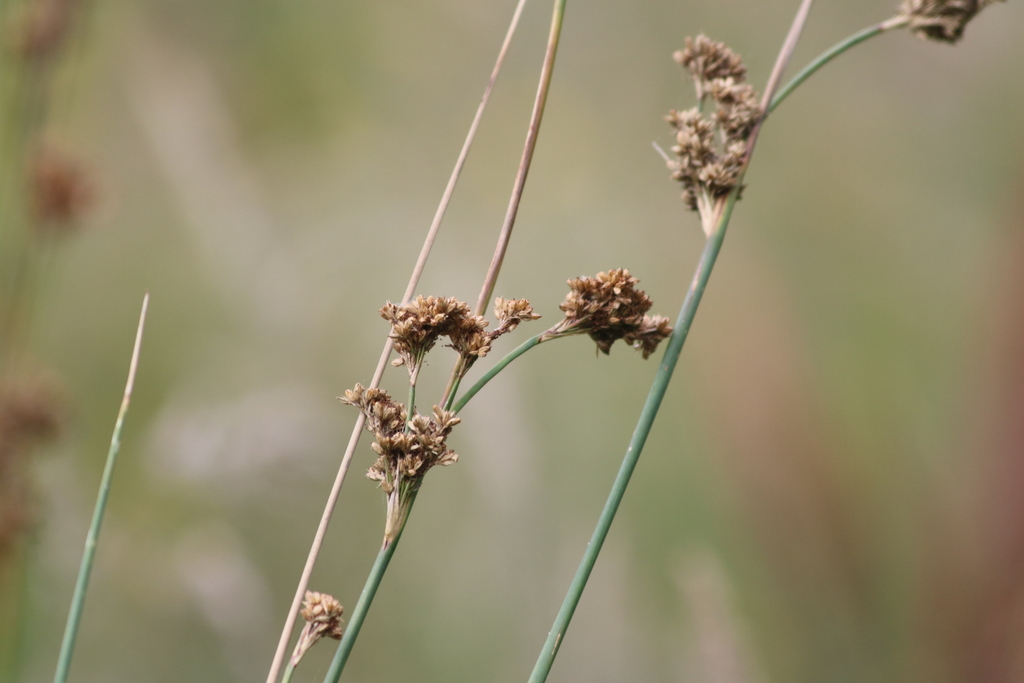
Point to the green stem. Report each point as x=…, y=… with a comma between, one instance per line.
x=831, y=53
x=288, y=671
x=636, y=444
x=412, y=406
x=348, y=640
x=451, y=394
x=520, y=350
x=67, y=646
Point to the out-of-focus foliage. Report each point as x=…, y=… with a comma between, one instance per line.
x=830, y=493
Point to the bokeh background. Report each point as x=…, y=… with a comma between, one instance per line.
x=831, y=492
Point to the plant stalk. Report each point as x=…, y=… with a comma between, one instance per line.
x=67, y=646
x=636, y=444
x=357, y=429
x=348, y=640
x=546, y=71
x=723, y=214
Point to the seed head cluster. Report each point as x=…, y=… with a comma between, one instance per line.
x=609, y=307
x=709, y=152
x=406, y=449
x=322, y=613
x=942, y=20
x=416, y=327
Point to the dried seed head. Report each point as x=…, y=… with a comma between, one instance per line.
x=511, y=312
x=322, y=613
x=321, y=608
x=653, y=329
x=62, y=191
x=383, y=415
x=416, y=326
x=942, y=20
x=607, y=307
x=406, y=448
x=707, y=60
x=708, y=169
x=469, y=339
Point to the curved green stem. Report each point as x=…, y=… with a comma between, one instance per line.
x=288, y=671
x=830, y=54
x=67, y=646
x=636, y=444
x=520, y=350
x=348, y=640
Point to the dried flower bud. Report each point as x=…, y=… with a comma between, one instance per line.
x=707, y=60
x=383, y=415
x=710, y=170
x=406, y=449
x=606, y=307
x=942, y=20
x=653, y=330
x=511, y=312
x=417, y=325
x=322, y=613
x=469, y=339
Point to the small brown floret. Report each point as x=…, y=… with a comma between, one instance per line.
x=708, y=60
x=653, y=330
x=709, y=166
x=511, y=312
x=383, y=415
x=322, y=613
x=416, y=326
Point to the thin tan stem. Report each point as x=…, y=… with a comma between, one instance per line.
x=785, y=54
x=524, y=164
x=346, y=461
x=520, y=183
x=774, y=80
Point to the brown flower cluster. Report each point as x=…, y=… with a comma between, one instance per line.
x=709, y=61
x=709, y=152
x=416, y=327
x=322, y=613
x=406, y=449
x=609, y=307
x=942, y=20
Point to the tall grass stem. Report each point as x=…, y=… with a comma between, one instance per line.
x=357, y=430
x=532, y=131
x=355, y=623
x=661, y=380
x=67, y=646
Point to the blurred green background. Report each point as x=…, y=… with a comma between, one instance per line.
x=832, y=491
